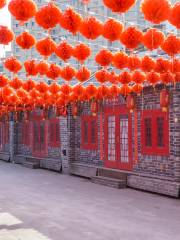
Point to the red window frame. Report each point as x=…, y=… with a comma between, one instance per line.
x=86, y=122
x=154, y=149
x=54, y=133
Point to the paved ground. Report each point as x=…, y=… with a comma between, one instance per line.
x=43, y=205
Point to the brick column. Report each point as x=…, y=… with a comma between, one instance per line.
x=176, y=132
x=64, y=144
x=11, y=140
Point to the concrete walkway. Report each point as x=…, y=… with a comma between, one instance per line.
x=43, y=205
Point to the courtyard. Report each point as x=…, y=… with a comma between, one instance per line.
x=45, y=205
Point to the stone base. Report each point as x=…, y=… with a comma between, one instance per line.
x=83, y=170
x=165, y=187
x=51, y=164
x=110, y=182
x=5, y=157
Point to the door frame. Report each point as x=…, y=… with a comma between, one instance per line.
x=117, y=111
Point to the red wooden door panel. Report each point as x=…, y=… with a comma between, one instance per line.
x=118, y=138
x=39, y=141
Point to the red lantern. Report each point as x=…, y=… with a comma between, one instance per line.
x=156, y=11
x=112, y=30
x=81, y=52
x=175, y=65
x=66, y=89
x=167, y=77
x=153, y=38
x=42, y=87
x=134, y=62
x=21, y=93
x=6, y=35
x=102, y=92
x=3, y=81
x=164, y=100
x=54, y=71
x=101, y=76
x=70, y=20
x=104, y=57
x=137, y=88
x=162, y=65
x=25, y=40
x=120, y=6
x=113, y=91
x=91, y=90
x=91, y=28
x=64, y=51
x=113, y=77
x=42, y=67
x=138, y=77
x=153, y=77
x=94, y=108
x=48, y=16
x=147, y=64
x=125, y=77
x=120, y=60
x=22, y=10
x=174, y=17
x=78, y=90
x=29, y=85
x=131, y=37
x=54, y=88
x=125, y=89
x=2, y=3
x=171, y=45
x=67, y=73
x=130, y=103
x=12, y=64
x=16, y=83
x=46, y=47
x=83, y=74
x=30, y=67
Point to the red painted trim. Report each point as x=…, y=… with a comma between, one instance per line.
x=53, y=141
x=118, y=111
x=154, y=149
x=89, y=145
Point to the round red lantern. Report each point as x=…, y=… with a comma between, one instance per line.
x=174, y=17
x=104, y=57
x=29, y=85
x=67, y=73
x=46, y=47
x=83, y=74
x=131, y=37
x=16, y=83
x=48, y=16
x=25, y=40
x=64, y=51
x=130, y=103
x=156, y=11
x=125, y=77
x=112, y=29
x=70, y=20
x=30, y=67
x=120, y=6
x=171, y=45
x=81, y=52
x=134, y=62
x=153, y=38
x=120, y=60
x=12, y=64
x=2, y=3
x=6, y=35
x=91, y=28
x=162, y=65
x=164, y=100
x=147, y=64
x=91, y=90
x=42, y=67
x=101, y=76
x=3, y=81
x=22, y=10
x=54, y=71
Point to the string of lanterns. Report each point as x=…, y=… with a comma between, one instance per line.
x=17, y=95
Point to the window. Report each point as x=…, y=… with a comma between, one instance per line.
x=155, y=132
x=54, y=131
x=89, y=133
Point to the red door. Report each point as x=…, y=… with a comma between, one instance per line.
x=118, y=138
x=39, y=143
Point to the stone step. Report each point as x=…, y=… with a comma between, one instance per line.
x=32, y=165
x=112, y=173
x=110, y=182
